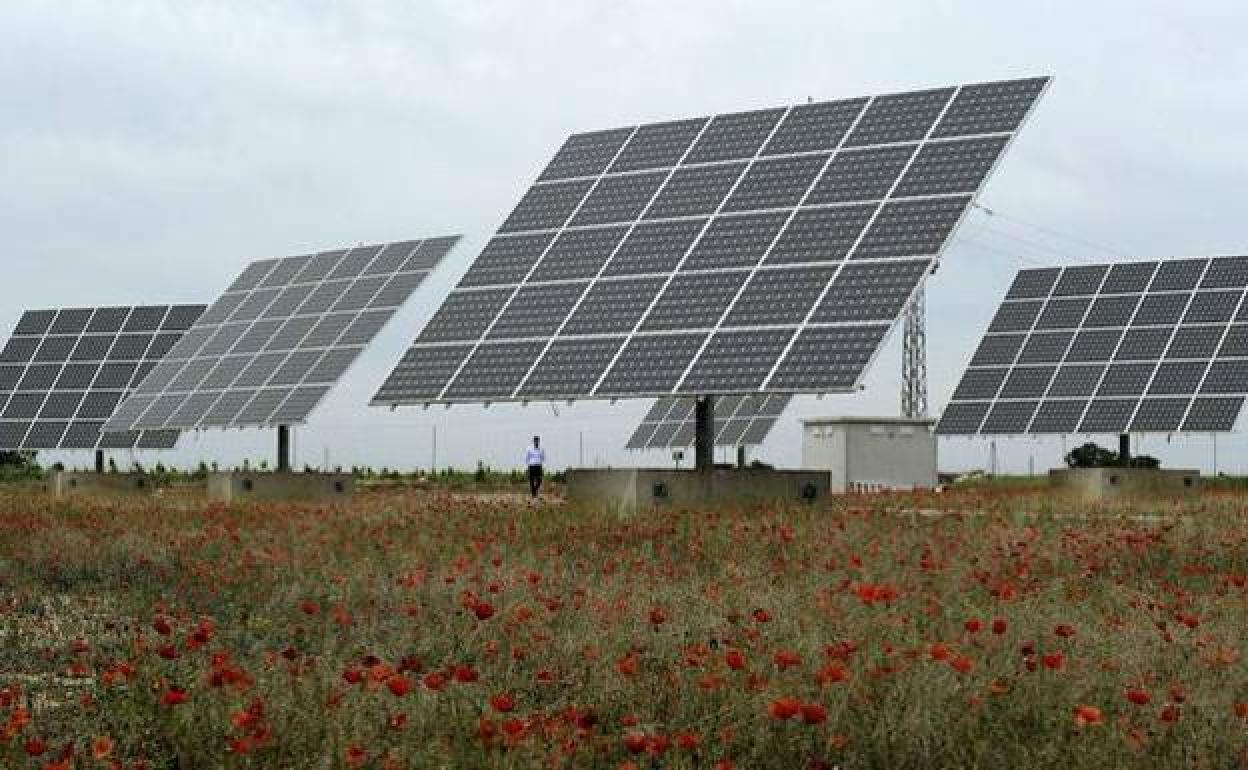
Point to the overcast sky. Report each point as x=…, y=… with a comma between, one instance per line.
x=149, y=150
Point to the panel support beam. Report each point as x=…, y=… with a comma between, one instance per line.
x=704, y=434
x=99, y=461
x=283, y=449
x=1124, y=450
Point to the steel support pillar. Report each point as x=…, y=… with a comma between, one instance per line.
x=704, y=434
x=283, y=448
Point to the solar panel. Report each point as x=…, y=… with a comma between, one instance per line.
x=283, y=333
x=1130, y=347
x=716, y=255
x=63, y=373
x=739, y=421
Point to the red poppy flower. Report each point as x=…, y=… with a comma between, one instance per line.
x=784, y=708
x=483, y=610
x=102, y=747
x=174, y=696
x=761, y=615
x=657, y=745
x=399, y=685
x=1169, y=713
x=657, y=616
x=1139, y=697
x=873, y=593
x=973, y=625
x=635, y=742
x=786, y=659
x=832, y=673
x=735, y=659
x=688, y=741
x=161, y=626
x=352, y=676
x=1241, y=710
x=35, y=747
x=998, y=626
x=355, y=755
x=1088, y=715
x=814, y=713
x=434, y=681
x=961, y=663
x=1064, y=630
x=465, y=674
x=502, y=702
x=1054, y=661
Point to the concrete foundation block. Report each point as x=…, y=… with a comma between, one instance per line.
x=631, y=489
x=258, y=486
x=67, y=484
x=1114, y=483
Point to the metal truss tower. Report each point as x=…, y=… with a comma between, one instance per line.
x=914, y=358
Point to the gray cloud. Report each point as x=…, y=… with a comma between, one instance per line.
x=151, y=149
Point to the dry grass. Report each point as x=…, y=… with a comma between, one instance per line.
x=671, y=639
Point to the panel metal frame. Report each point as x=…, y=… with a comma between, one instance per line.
x=82, y=419
x=394, y=397
x=382, y=277
x=1170, y=332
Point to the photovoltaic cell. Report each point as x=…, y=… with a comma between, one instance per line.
x=282, y=363
x=748, y=221
x=1138, y=346
x=66, y=371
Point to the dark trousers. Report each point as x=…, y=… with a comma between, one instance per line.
x=535, y=480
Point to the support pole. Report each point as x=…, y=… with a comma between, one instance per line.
x=704, y=434
x=99, y=461
x=1124, y=449
x=283, y=449
x=741, y=456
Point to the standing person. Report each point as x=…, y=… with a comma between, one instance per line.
x=535, y=458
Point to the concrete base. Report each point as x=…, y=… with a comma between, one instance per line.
x=631, y=489
x=66, y=484
x=267, y=486
x=1113, y=483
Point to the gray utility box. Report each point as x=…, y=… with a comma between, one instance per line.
x=67, y=484
x=246, y=486
x=630, y=489
x=1112, y=483
x=871, y=453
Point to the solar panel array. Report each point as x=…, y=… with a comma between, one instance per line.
x=739, y=421
x=1124, y=348
x=280, y=336
x=63, y=373
x=762, y=251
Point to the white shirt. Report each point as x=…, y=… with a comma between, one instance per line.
x=535, y=456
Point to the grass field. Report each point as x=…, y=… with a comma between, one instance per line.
x=416, y=629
